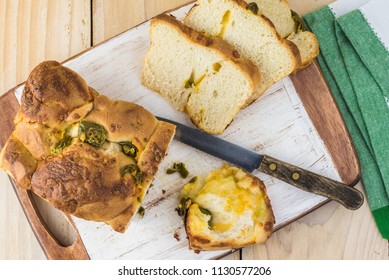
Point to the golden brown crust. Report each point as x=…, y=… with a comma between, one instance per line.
x=148, y=164
x=241, y=3
x=306, y=61
x=18, y=162
x=130, y=122
x=37, y=138
x=295, y=51
x=51, y=92
x=82, y=177
x=217, y=44
x=99, y=183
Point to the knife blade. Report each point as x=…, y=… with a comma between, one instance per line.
x=303, y=179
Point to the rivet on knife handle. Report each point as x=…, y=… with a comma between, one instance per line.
x=311, y=182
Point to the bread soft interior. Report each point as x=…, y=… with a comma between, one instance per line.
x=198, y=74
x=252, y=35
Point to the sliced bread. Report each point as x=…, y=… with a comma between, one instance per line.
x=308, y=46
x=290, y=26
x=278, y=11
x=227, y=209
x=254, y=36
x=199, y=74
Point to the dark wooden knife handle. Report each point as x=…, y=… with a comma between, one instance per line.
x=308, y=181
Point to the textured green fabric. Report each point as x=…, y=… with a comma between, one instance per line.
x=322, y=23
x=352, y=74
x=368, y=88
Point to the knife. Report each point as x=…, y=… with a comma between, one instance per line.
x=308, y=181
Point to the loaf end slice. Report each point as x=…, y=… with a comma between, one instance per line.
x=308, y=46
x=290, y=26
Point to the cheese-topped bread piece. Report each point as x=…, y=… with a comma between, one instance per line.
x=227, y=209
x=87, y=155
x=253, y=35
x=290, y=25
x=204, y=76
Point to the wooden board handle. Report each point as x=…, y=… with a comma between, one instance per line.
x=49, y=243
x=328, y=121
x=308, y=181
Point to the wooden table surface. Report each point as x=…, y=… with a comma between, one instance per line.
x=36, y=30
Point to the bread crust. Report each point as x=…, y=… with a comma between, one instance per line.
x=18, y=162
x=51, y=93
x=81, y=179
x=222, y=47
x=296, y=53
x=130, y=122
x=306, y=61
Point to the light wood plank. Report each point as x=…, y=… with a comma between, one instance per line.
x=331, y=232
x=113, y=17
x=30, y=32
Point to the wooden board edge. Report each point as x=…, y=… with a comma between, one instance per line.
x=51, y=247
x=121, y=33
x=332, y=131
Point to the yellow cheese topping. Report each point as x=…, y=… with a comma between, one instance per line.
x=227, y=193
x=224, y=24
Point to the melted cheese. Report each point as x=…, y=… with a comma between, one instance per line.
x=227, y=193
x=224, y=24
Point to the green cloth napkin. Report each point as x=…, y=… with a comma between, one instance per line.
x=356, y=65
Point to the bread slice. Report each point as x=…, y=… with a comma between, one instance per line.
x=254, y=36
x=227, y=209
x=87, y=155
x=278, y=12
x=308, y=46
x=290, y=26
x=199, y=74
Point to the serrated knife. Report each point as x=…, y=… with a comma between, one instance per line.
x=308, y=181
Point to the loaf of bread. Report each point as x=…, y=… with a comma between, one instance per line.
x=253, y=35
x=87, y=155
x=227, y=209
x=202, y=75
x=290, y=25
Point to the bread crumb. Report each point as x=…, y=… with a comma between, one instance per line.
x=176, y=235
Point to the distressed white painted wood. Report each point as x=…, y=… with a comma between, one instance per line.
x=276, y=124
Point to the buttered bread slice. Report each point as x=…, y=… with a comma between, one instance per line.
x=204, y=76
x=227, y=209
x=253, y=35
